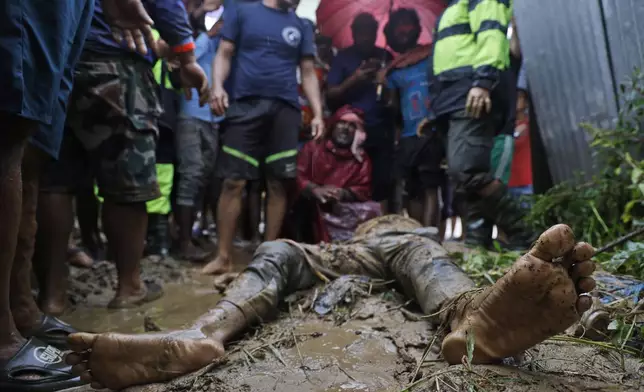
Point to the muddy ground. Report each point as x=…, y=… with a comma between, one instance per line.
x=373, y=343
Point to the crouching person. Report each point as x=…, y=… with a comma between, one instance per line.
x=334, y=180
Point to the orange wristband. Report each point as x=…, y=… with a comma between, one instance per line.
x=188, y=47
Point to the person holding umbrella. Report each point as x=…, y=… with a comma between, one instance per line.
x=471, y=52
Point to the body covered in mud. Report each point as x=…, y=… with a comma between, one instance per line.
x=541, y=295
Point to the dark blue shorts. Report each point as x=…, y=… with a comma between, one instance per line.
x=40, y=43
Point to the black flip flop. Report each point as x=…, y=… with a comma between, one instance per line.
x=37, y=358
x=52, y=331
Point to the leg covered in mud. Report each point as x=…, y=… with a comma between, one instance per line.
x=116, y=361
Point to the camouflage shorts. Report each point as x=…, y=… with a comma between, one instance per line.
x=112, y=124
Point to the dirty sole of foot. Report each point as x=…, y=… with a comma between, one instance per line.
x=375, y=345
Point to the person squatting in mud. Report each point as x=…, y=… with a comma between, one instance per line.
x=542, y=294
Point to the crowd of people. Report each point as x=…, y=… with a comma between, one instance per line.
x=246, y=131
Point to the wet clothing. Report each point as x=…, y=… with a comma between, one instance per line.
x=363, y=96
x=259, y=134
x=41, y=42
x=170, y=20
x=197, y=143
x=320, y=164
x=471, y=49
x=270, y=44
x=390, y=247
x=112, y=124
x=411, y=83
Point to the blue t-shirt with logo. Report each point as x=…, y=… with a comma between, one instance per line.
x=269, y=46
x=412, y=85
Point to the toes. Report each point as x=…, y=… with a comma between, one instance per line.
x=79, y=342
x=96, y=385
x=554, y=242
x=86, y=377
x=80, y=368
x=584, y=302
x=582, y=270
x=75, y=358
x=585, y=285
x=582, y=251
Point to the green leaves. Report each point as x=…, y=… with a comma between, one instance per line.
x=611, y=203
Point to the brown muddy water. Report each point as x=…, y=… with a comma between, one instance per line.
x=372, y=344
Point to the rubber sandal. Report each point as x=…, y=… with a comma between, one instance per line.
x=52, y=331
x=40, y=359
x=153, y=292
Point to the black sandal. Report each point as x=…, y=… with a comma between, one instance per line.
x=37, y=358
x=52, y=331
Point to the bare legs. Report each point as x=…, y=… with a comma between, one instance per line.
x=230, y=203
x=13, y=140
x=55, y=224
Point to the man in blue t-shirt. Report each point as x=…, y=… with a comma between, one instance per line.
x=268, y=42
x=351, y=81
x=197, y=145
x=418, y=158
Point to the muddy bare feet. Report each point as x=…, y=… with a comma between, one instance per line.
x=539, y=297
x=118, y=361
x=220, y=265
x=150, y=292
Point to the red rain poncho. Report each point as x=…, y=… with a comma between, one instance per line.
x=322, y=163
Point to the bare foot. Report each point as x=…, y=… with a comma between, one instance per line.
x=54, y=307
x=538, y=298
x=79, y=258
x=118, y=361
x=220, y=265
x=150, y=292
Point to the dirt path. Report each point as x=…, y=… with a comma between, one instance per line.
x=371, y=344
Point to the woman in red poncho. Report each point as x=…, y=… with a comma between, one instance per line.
x=334, y=177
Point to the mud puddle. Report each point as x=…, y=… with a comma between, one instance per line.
x=374, y=344
x=187, y=295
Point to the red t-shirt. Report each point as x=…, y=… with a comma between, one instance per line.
x=521, y=174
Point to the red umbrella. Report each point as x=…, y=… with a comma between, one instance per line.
x=334, y=17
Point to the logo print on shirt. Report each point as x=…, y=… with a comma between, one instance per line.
x=292, y=36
